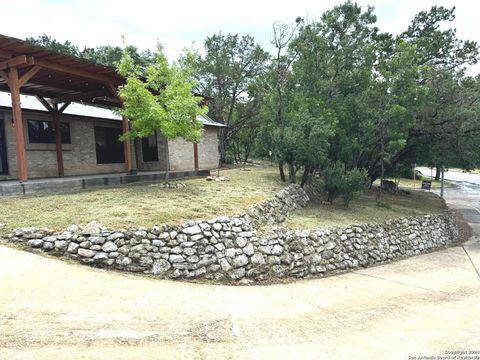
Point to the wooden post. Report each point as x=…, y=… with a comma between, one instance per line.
x=195, y=156
x=18, y=123
x=127, y=147
x=58, y=140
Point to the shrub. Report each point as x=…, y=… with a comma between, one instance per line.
x=339, y=182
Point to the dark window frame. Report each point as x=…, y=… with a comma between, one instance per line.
x=150, y=153
x=43, y=132
x=108, y=148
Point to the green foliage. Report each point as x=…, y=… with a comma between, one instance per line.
x=347, y=184
x=164, y=101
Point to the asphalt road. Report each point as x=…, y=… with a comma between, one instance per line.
x=421, y=306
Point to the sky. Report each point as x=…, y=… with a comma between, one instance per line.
x=185, y=23
x=181, y=23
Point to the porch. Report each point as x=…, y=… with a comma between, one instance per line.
x=78, y=183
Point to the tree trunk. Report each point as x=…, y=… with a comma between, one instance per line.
x=221, y=146
x=438, y=171
x=291, y=172
x=282, y=173
x=305, y=175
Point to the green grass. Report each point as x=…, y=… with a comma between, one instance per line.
x=365, y=210
x=144, y=204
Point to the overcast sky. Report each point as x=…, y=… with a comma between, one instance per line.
x=176, y=24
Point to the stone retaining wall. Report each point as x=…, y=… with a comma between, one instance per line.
x=232, y=248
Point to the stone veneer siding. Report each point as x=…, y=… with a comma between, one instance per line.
x=232, y=248
x=79, y=157
x=182, y=154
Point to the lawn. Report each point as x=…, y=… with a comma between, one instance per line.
x=366, y=210
x=144, y=204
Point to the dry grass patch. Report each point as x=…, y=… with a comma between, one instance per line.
x=366, y=210
x=144, y=204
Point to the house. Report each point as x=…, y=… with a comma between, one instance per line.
x=76, y=133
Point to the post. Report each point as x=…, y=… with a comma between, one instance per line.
x=18, y=123
x=195, y=156
x=58, y=140
x=443, y=178
x=414, y=177
x=127, y=148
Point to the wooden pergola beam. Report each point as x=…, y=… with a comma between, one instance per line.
x=64, y=107
x=16, y=62
x=45, y=103
x=79, y=97
x=28, y=75
x=18, y=123
x=76, y=71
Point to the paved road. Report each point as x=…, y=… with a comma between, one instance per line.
x=50, y=309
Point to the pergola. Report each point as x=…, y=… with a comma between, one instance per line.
x=56, y=80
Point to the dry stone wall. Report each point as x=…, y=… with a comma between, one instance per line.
x=234, y=248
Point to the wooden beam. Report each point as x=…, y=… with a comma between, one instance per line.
x=29, y=74
x=16, y=62
x=18, y=123
x=76, y=71
x=63, y=107
x=5, y=54
x=46, y=104
x=4, y=76
x=113, y=90
x=127, y=146
x=195, y=156
x=58, y=140
x=79, y=97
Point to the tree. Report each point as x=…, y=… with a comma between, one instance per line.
x=48, y=42
x=225, y=73
x=162, y=101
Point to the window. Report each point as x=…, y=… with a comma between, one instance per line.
x=150, y=148
x=43, y=132
x=108, y=147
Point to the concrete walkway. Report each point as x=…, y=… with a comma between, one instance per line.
x=50, y=309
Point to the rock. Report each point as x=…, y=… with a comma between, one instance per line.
x=257, y=259
x=87, y=253
x=123, y=260
x=61, y=244
x=225, y=265
x=99, y=256
x=160, y=266
x=248, y=249
x=217, y=227
x=192, y=230
x=98, y=240
x=237, y=274
x=330, y=245
x=35, y=243
x=176, y=258
x=72, y=247
x=116, y=236
x=189, y=251
x=72, y=228
x=92, y=228
x=2, y=226
x=240, y=241
x=239, y=261
x=277, y=250
x=109, y=246
x=47, y=246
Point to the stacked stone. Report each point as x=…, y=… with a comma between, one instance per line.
x=231, y=248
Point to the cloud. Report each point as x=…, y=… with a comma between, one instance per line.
x=176, y=24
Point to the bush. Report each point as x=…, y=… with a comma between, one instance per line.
x=405, y=171
x=347, y=184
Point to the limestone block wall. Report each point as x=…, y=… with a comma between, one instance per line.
x=208, y=154
x=79, y=157
x=229, y=249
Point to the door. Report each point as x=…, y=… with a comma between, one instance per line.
x=3, y=150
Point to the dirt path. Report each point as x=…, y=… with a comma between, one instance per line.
x=50, y=309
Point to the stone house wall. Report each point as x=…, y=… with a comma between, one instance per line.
x=79, y=157
x=233, y=248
